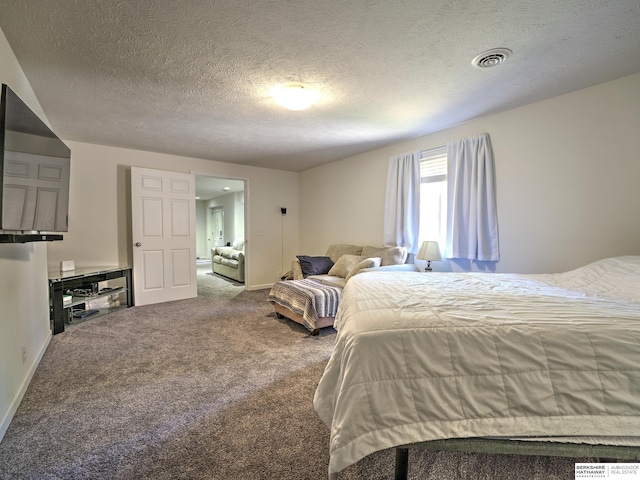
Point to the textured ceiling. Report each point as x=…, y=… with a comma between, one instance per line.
x=208, y=188
x=192, y=77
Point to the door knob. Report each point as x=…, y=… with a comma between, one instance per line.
x=138, y=244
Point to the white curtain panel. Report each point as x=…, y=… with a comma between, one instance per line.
x=472, y=219
x=402, y=207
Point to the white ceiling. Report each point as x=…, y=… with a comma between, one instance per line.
x=192, y=77
x=211, y=187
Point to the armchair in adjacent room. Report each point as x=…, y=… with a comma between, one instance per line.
x=229, y=261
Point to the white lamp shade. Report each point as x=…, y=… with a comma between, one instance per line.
x=295, y=96
x=429, y=251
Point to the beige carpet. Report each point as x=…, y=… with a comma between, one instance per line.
x=210, y=388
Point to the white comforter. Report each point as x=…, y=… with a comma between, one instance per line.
x=442, y=355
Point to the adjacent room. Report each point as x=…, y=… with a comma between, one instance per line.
x=227, y=226
x=220, y=214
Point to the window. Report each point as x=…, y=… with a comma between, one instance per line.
x=433, y=195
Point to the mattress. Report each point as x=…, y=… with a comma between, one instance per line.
x=423, y=357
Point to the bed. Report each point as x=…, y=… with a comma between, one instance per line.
x=482, y=358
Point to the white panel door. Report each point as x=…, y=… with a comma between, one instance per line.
x=35, y=186
x=163, y=215
x=217, y=219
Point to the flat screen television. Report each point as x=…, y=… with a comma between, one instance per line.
x=35, y=170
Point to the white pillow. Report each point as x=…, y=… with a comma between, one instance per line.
x=238, y=244
x=345, y=264
x=366, y=263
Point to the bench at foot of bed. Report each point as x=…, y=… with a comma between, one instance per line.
x=284, y=312
x=307, y=302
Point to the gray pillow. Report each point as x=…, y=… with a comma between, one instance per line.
x=314, y=265
x=389, y=255
x=345, y=264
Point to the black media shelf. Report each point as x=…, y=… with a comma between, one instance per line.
x=28, y=237
x=61, y=282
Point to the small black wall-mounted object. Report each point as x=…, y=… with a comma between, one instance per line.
x=283, y=211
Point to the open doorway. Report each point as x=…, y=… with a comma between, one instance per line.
x=220, y=222
x=215, y=227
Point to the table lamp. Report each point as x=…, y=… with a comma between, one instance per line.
x=429, y=251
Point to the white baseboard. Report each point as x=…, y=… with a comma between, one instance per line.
x=15, y=402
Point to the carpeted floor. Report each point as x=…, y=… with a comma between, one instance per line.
x=209, y=388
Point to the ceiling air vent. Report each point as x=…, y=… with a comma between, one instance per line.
x=491, y=58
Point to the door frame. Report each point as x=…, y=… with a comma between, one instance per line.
x=247, y=223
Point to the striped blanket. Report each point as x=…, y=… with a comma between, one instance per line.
x=309, y=298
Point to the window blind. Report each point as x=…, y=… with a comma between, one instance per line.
x=433, y=168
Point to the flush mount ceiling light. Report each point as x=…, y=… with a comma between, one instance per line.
x=491, y=58
x=295, y=96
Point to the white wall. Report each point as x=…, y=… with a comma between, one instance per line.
x=238, y=220
x=233, y=208
x=24, y=297
x=567, y=173
x=100, y=221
